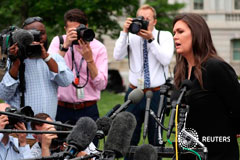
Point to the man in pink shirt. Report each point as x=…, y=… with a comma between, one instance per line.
x=89, y=63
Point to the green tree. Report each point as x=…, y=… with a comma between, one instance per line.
x=165, y=13
x=101, y=13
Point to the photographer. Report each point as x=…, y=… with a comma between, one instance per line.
x=44, y=145
x=11, y=147
x=149, y=52
x=41, y=76
x=87, y=58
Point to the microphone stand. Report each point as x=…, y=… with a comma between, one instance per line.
x=25, y=118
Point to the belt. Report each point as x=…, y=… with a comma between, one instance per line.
x=146, y=89
x=79, y=105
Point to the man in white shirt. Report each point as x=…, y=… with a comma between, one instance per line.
x=150, y=52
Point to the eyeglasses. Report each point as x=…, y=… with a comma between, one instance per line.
x=31, y=20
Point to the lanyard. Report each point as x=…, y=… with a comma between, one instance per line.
x=77, y=79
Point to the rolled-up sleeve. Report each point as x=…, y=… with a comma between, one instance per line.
x=101, y=61
x=8, y=87
x=65, y=76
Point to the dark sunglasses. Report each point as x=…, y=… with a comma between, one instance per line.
x=31, y=20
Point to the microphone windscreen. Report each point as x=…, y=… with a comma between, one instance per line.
x=83, y=133
x=149, y=94
x=120, y=134
x=187, y=83
x=174, y=95
x=104, y=124
x=136, y=96
x=145, y=152
x=23, y=37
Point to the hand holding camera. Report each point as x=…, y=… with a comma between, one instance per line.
x=21, y=136
x=138, y=26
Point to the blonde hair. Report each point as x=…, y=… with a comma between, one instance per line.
x=146, y=6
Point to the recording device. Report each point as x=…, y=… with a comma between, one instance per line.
x=27, y=111
x=85, y=33
x=149, y=95
x=145, y=152
x=119, y=136
x=134, y=97
x=137, y=24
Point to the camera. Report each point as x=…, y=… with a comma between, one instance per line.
x=137, y=24
x=85, y=33
x=6, y=39
x=61, y=137
x=24, y=39
x=25, y=111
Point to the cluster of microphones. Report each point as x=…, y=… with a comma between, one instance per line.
x=117, y=125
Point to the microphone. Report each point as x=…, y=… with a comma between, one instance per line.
x=103, y=126
x=173, y=100
x=80, y=138
x=176, y=99
x=149, y=95
x=134, y=97
x=120, y=135
x=186, y=85
x=109, y=114
x=23, y=37
x=145, y=152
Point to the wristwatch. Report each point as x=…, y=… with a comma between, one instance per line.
x=62, y=48
x=150, y=40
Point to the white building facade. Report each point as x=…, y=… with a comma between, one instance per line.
x=223, y=19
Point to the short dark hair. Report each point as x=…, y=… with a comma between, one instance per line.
x=75, y=15
x=42, y=116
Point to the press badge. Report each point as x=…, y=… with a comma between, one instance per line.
x=140, y=83
x=80, y=93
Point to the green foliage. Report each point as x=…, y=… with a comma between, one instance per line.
x=101, y=13
x=165, y=13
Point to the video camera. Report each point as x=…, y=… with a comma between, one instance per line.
x=26, y=111
x=137, y=24
x=85, y=33
x=24, y=38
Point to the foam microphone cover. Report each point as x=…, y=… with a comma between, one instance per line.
x=145, y=152
x=174, y=95
x=104, y=124
x=120, y=134
x=187, y=83
x=149, y=94
x=136, y=96
x=23, y=37
x=83, y=133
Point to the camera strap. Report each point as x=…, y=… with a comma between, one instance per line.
x=77, y=79
x=22, y=84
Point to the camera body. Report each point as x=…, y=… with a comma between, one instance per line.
x=137, y=24
x=85, y=33
x=25, y=111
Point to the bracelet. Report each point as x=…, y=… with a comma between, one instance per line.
x=48, y=58
x=90, y=61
